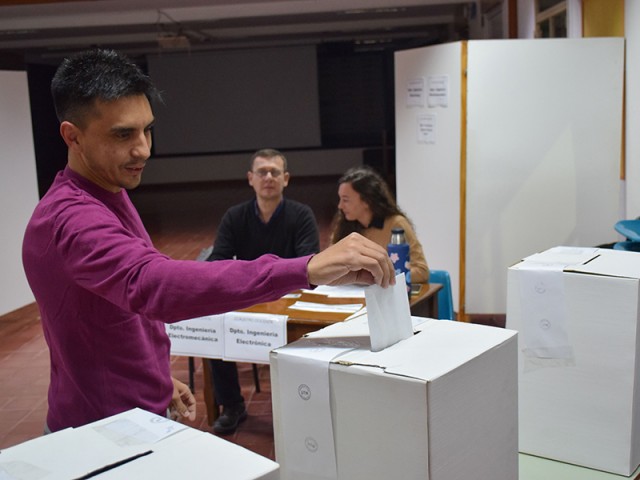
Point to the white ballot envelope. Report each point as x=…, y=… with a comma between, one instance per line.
x=389, y=314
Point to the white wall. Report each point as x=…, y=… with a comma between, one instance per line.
x=203, y=168
x=526, y=18
x=18, y=187
x=632, y=34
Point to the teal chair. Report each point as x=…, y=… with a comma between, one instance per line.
x=628, y=246
x=631, y=230
x=445, y=298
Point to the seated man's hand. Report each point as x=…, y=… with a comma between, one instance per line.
x=183, y=403
x=354, y=259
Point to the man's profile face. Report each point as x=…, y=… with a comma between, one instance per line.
x=268, y=178
x=113, y=146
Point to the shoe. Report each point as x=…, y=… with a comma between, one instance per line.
x=231, y=417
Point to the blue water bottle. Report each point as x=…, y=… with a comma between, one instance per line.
x=398, y=250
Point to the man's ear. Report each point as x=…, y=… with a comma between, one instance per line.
x=69, y=133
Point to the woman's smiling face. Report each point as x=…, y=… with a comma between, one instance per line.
x=352, y=205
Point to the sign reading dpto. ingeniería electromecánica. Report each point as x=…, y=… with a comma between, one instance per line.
x=239, y=336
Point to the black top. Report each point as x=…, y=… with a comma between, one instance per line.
x=291, y=232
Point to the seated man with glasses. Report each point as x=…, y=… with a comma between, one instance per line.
x=268, y=223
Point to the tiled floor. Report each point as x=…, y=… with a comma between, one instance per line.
x=24, y=376
x=180, y=227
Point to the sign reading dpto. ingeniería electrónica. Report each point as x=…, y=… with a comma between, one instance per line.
x=238, y=336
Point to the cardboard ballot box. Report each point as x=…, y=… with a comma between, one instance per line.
x=576, y=311
x=134, y=445
x=441, y=405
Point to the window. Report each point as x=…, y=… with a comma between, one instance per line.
x=551, y=18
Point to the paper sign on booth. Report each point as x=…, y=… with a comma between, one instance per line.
x=238, y=336
x=249, y=337
x=198, y=337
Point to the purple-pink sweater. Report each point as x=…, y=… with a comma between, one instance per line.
x=105, y=292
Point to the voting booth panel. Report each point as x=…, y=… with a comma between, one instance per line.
x=506, y=147
x=428, y=166
x=577, y=311
x=440, y=405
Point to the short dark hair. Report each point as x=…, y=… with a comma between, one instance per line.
x=92, y=75
x=268, y=153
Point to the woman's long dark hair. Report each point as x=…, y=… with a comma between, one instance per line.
x=374, y=191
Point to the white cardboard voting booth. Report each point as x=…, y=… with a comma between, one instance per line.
x=516, y=117
x=133, y=445
x=576, y=311
x=441, y=405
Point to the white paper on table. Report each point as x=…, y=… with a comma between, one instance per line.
x=389, y=314
x=544, y=312
x=340, y=291
x=291, y=295
x=326, y=307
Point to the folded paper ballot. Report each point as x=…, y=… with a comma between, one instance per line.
x=389, y=314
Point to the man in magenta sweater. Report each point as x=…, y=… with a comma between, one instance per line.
x=103, y=290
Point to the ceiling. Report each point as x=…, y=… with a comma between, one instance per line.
x=52, y=29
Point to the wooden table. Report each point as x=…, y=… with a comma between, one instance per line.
x=423, y=304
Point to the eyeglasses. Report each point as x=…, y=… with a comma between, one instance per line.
x=263, y=172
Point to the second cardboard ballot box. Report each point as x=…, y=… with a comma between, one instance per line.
x=441, y=405
x=133, y=445
x=576, y=311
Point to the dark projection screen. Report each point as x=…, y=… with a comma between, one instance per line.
x=236, y=100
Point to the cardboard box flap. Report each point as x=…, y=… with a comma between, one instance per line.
x=437, y=348
x=357, y=326
x=558, y=256
x=612, y=263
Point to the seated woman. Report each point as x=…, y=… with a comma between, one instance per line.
x=367, y=207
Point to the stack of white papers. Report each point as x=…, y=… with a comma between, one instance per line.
x=323, y=307
x=342, y=291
